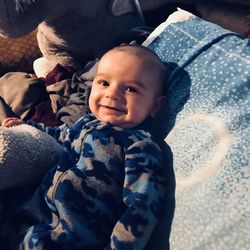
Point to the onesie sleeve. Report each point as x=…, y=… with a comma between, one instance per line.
x=20, y=17
x=143, y=195
x=59, y=133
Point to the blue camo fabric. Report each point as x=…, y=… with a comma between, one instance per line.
x=208, y=116
x=105, y=193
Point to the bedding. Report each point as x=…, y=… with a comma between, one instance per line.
x=26, y=154
x=20, y=93
x=206, y=122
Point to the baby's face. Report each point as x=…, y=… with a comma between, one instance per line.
x=124, y=91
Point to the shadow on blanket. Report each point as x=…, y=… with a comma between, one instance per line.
x=178, y=79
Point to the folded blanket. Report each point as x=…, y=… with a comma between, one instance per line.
x=26, y=153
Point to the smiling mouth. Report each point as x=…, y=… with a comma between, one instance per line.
x=113, y=109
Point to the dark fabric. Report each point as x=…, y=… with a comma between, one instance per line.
x=5, y=111
x=77, y=93
x=230, y=16
x=44, y=112
x=21, y=93
x=69, y=32
x=60, y=98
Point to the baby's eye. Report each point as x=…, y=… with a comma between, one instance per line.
x=131, y=89
x=103, y=83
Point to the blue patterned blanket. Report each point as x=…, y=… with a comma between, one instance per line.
x=207, y=119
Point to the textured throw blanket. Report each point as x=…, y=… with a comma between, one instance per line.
x=26, y=153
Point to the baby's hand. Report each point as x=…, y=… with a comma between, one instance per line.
x=12, y=121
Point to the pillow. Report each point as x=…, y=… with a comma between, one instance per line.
x=206, y=122
x=18, y=54
x=26, y=153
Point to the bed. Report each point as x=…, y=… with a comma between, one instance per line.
x=206, y=123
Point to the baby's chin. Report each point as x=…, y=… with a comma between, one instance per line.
x=119, y=123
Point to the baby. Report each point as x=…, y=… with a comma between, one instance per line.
x=107, y=190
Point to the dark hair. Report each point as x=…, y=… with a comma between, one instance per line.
x=141, y=50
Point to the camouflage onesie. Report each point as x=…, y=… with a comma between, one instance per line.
x=105, y=193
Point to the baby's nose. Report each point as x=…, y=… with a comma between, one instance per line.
x=114, y=93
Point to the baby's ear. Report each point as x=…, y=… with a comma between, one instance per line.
x=159, y=102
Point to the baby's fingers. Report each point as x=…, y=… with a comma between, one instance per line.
x=12, y=121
